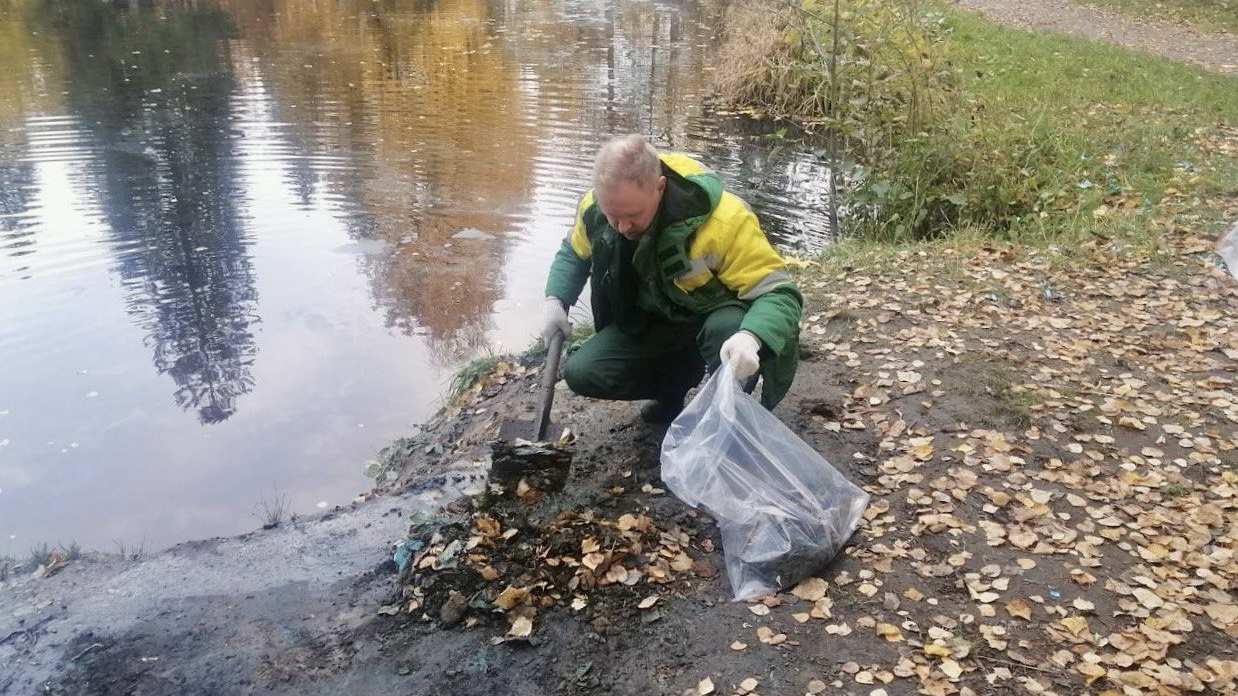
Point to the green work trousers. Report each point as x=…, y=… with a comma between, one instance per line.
x=664, y=362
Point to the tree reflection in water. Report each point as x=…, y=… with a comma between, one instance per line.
x=153, y=83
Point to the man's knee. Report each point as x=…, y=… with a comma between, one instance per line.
x=581, y=379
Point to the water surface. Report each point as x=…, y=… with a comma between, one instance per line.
x=243, y=245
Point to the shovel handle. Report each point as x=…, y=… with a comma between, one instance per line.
x=550, y=375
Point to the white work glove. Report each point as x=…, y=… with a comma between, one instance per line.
x=741, y=352
x=554, y=320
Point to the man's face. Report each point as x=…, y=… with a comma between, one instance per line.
x=629, y=208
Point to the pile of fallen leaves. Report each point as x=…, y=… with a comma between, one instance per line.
x=501, y=565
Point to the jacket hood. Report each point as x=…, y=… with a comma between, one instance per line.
x=692, y=189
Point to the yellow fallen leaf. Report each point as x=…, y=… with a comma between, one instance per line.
x=890, y=632
x=705, y=686
x=1020, y=608
x=937, y=650
x=1077, y=625
x=811, y=589
x=922, y=448
x=749, y=684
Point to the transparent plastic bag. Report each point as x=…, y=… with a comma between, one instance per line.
x=1227, y=249
x=783, y=510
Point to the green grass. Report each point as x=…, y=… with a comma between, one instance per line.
x=39, y=555
x=1047, y=129
x=471, y=374
x=1207, y=15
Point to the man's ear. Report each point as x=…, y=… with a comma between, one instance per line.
x=661, y=184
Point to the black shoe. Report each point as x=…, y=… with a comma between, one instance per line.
x=661, y=411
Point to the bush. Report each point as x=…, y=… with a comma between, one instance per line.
x=890, y=78
x=882, y=84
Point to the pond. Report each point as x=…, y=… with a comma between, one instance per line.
x=244, y=244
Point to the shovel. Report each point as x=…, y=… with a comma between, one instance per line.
x=529, y=468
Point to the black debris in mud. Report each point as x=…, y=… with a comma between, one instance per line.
x=500, y=566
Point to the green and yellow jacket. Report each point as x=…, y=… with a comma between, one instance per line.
x=705, y=251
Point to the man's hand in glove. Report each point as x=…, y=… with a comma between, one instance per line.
x=741, y=352
x=554, y=319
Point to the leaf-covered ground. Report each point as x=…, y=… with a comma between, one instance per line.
x=1049, y=437
x=1056, y=465
x=1047, y=434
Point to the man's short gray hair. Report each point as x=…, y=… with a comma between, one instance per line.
x=626, y=158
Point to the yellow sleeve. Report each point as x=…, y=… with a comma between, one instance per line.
x=578, y=240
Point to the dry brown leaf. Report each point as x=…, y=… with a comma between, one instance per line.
x=738, y=645
x=951, y=668
x=749, y=684
x=705, y=686
x=759, y=609
x=1222, y=615
x=647, y=602
x=769, y=636
x=1082, y=604
x=616, y=574
x=511, y=597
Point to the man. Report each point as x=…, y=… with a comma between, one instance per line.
x=682, y=280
